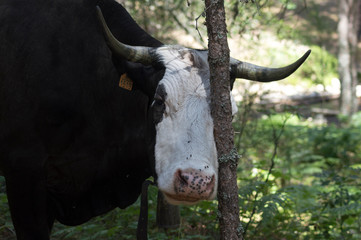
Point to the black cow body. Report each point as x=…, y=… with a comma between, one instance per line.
x=73, y=144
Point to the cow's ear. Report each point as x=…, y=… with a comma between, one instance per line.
x=192, y=56
x=145, y=78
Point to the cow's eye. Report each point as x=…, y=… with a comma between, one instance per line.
x=158, y=107
x=158, y=102
x=157, y=97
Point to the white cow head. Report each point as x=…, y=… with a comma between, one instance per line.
x=185, y=152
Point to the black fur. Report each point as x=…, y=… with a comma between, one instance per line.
x=158, y=106
x=73, y=145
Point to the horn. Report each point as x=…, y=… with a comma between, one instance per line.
x=263, y=74
x=131, y=53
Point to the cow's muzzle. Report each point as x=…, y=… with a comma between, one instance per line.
x=190, y=186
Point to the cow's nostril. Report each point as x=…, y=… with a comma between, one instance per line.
x=183, y=178
x=191, y=180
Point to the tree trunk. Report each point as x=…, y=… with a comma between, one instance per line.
x=347, y=57
x=353, y=39
x=221, y=111
x=168, y=216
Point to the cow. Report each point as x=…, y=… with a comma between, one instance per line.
x=91, y=107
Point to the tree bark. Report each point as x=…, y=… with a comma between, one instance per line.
x=353, y=39
x=168, y=216
x=218, y=58
x=348, y=25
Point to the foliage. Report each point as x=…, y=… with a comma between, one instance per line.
x=320, y=68
x=166, y=20
x=306, y=187
x=6, y=227
x=313, y=190
x=256, y=22
x=356, y=120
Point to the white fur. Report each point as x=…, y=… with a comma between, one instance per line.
x=184, y=137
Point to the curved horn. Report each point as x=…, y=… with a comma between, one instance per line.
x=263, y=74
x=131, y=53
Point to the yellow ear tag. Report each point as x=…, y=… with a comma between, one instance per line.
x=125, y=82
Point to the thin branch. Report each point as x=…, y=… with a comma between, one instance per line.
x=247, y=107
x=203, y=14
x=179, y=22
x=254, y=13
x=197, y=18
x=276, y=138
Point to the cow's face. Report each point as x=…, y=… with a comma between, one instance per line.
x=185, y=151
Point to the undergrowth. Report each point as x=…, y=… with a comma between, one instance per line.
x=313, y=189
